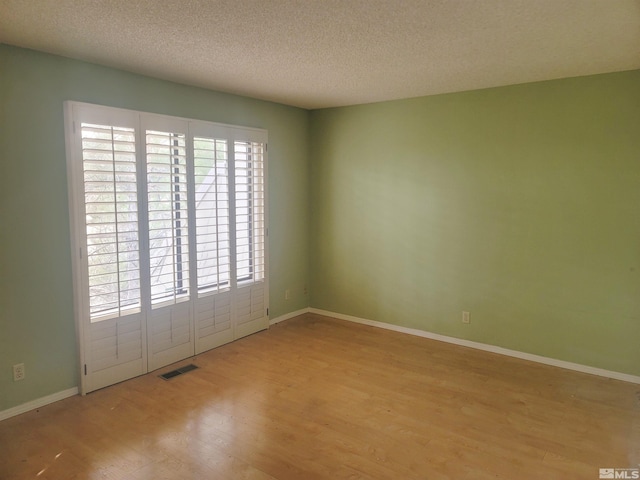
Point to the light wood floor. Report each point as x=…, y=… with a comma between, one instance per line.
x=319, y=398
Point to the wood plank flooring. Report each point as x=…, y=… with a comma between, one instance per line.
x=320, y=398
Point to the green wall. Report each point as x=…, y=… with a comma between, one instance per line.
x=36, y=299
x=519, y=204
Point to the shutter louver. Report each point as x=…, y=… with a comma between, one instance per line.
x=212, y=215
x=168, y=217
x=249, y=211
x=111, y=207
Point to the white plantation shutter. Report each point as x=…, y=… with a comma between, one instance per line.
x=214, y=320
x=111, y=206
x=249, y=211
x=168, y=220
x=170, y=328
x=104, y=207
x=250, y=233
x=115, y=343
x=213, y=312
x=211, y=171
x=168, y=216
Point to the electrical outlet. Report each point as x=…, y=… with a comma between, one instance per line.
x=465, y=317
x=305, y=290
x=18, y=372
x=287, y=294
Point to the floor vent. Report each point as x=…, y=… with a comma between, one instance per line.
x=179, y=371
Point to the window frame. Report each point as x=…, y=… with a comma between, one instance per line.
x=140, y=121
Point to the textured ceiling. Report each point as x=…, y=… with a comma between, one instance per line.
x=323, y=53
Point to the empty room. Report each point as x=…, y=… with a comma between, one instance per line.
x=321, y=239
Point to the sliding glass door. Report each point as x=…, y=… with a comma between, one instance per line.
x=169, y=235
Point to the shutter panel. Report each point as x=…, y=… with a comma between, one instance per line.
x=249, y=211
x=115, y=342
x=213, y=321
x=250, y=300
x=213, y=303
x=250, y=312
x=212, y=215
x=169, y=321
x=111, y=207
x=112, y=307
x=168, y=217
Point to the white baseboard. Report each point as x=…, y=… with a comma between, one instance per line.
x=625, y=377
x=37, y=403
x=287, y=316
